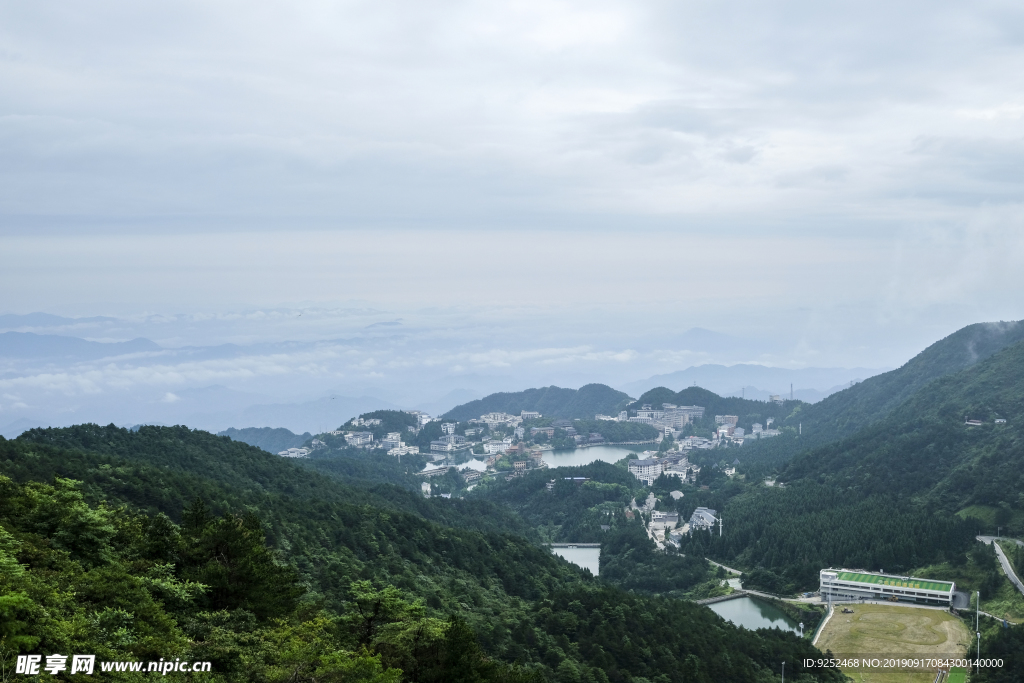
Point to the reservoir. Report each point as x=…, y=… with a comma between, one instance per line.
x=752, y=614
x=587, y=558
x=585, y=456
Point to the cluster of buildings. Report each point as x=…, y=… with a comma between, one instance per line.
x=671, y=464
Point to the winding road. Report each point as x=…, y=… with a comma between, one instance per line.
x=1007, y=568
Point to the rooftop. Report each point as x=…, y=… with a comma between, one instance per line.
x=898, y=581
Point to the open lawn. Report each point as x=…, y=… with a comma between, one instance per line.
x=897, y=631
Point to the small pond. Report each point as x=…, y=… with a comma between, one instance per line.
x=753, y=614
x=587, y=558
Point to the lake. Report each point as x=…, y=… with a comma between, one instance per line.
x=587, y=558
x=585, y=456
x=753, y=614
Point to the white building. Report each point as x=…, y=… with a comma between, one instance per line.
x=358, y=438
x=703, y=519
x=529, y=415
x=497, y=446
x=646, y=470
x=404, y=450
x=641, y=420
x=294, y=453
x=664, y=520
x=726, y=420
x=838, y=585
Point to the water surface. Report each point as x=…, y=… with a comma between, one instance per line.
x=587, y=558
x=585, y=456
x=753, y=614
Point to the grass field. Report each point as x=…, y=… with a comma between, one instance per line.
x=898, y=631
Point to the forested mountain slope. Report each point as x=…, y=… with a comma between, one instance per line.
x=846, y=412
x=923, y=449
x=155, y=573
x=584, y=402
x=887, y=497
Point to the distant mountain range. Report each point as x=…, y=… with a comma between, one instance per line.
x=756, y=381
x=267, y=438
x=23, y=345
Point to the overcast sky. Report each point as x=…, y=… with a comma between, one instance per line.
x=846, y=177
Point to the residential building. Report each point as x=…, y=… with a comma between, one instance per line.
x=607, y=418
x=358, y=438
x=469, y=476
x=776, y=399
x=520, y=432
x=421, y=417
x=622, y=416
x=839, y=585
x=703, y=519
x=453, y=438
x=562, y=424
x=652, y=414
x=440, y=446
x=756, y=428
x=520, y=465
x=726, y=420
x=404, y=450
x=694, y=413
x=435, y=472
x=529, y=415
x=595, y=438
x=646, y=470
x=768, y=433
x=738, y=432
x=496, y=447
x=448, y=428
x=473, y=431
x=664, y=520
x=294, y=453
x=641, y=420
x=550, y=431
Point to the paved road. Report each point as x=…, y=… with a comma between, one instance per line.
x=728, y=569
x=1007, y=569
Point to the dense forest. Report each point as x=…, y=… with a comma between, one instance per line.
x=177, y=543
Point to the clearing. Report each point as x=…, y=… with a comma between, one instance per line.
x=896, y=631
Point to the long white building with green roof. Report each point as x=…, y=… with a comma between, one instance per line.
x=842, y=585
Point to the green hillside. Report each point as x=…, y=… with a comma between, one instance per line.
x=178, y=543
x=846, y=412
x=924, y=449
x=584, y=402
x=888, y=497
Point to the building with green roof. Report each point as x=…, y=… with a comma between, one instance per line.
x=845, y=585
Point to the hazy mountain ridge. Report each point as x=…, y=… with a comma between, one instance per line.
x=267, y=438
x=758, y=381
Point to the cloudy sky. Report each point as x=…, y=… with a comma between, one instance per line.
x=841, y=183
